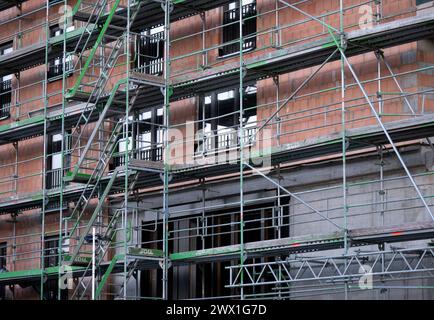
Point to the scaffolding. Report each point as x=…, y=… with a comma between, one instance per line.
x=136, y=185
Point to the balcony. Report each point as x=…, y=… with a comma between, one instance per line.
x=224, y=141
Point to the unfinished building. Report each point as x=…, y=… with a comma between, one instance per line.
x=180, y=149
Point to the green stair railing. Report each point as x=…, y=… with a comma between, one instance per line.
x=71, y=92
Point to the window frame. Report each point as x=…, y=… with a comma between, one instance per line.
x=54, y=148
x=230, y=28
x=149, y=123
x=150, y=51
x=6, y=85
x=210, y=118
x=55, y=65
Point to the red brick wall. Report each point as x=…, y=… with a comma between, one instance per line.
x=303, y=122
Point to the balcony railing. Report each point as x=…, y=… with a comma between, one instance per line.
x=54, y=179
x=227, y=140
x=148, y=154
x=55, y=70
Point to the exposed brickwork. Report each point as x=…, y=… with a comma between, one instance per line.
x=311, y=116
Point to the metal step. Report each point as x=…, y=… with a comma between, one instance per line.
x=119, y=17
x=114, y=38
x=81, y=96
x=118, y=28
x=142, y=78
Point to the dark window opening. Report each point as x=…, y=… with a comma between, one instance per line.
x=3, y=256
x=150, y=135
x=231, y=29
x=51, y=259
x=55, y=66
x=5, y=96
x=285, y=202
x=5, y=86
x=224, y=230
x=54, y=160
x=150, y=51
x=219, y=120
x=147, y=143
x=118, y=158
x=152, y=238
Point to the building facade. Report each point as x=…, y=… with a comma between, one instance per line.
x=146, y=146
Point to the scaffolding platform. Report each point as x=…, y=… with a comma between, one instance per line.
x=297, y=57
x=150, y=172
x=150, y=13
x=95, y=196
x=279, y=61
x=303, y=244
x=147, y=79
x=150, y=258
x=33, y=126
x=34, y=55
x=31, y=276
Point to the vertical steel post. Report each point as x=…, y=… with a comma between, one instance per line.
x=389, y=138
x=278, y=31
x=127, y=150
x=44, y=146
x=204, y=51
x=344, y=136
x=63, y=145
x=167, y=8
x=15, y=145
x=93, y=262
x=382, y=190
x=241, y=139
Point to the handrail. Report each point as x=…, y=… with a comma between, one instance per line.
x=71, y=92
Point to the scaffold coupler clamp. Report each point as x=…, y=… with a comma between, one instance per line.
x=171, y=6
x=169, y=264
x=344, y=41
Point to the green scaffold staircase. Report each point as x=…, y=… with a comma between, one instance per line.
x=92, y=91
x=106, y=239
x=96, y=137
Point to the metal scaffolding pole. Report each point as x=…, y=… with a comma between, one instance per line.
x=167, y=7
x=126, y=136
x=64, y=152
x=44, y=146
x=344, y=139
x=386, y=264
x=296, y=91
x=295, y=197
x=380, y=122
x=241, y=136
x=105, y=121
